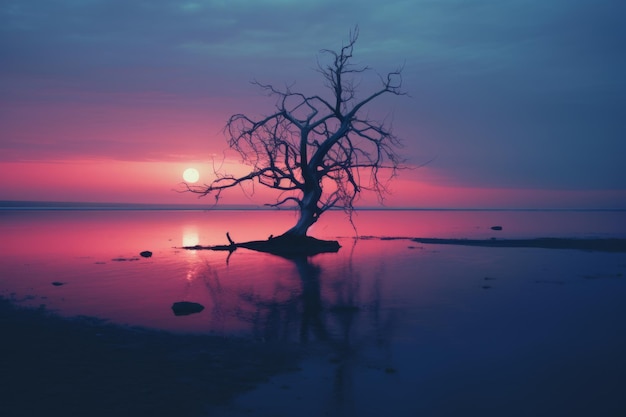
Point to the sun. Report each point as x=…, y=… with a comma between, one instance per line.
x=191, y=175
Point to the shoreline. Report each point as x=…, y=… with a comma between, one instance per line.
x=85, y=366
x=591, y=244
x=585, y=244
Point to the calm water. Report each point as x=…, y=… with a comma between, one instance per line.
x=389, y=327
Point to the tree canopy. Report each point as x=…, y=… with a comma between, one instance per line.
x=318, y=151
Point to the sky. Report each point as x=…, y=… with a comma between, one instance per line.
x=513, y=103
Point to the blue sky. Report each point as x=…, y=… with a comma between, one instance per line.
x=502, y=93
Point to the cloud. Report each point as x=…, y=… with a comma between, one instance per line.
x=504, y=93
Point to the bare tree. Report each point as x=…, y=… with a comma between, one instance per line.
x=318, y=152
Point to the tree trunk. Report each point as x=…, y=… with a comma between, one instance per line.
x=306, y=220
x=309, y=213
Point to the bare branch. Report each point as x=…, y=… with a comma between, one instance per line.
x=319, y=153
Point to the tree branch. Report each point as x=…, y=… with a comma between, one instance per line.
x=316, y=150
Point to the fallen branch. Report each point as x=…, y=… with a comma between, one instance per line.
x=286, y=246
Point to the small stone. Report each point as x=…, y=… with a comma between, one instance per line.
x=146, y=254
x=185, y=308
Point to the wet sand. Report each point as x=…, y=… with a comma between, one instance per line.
x=84, y=367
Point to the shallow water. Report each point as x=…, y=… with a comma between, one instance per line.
x=388, y=327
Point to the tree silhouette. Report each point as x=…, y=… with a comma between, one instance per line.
x=317, y=151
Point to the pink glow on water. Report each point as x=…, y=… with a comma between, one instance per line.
x=95, y=254
x=393, y=314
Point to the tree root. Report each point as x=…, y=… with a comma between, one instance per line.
x=286, y=246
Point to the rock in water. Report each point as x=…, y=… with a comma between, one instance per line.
x=146, y=254
x=185, y=308
x=496, y=228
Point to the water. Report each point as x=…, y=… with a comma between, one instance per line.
x=387, y=326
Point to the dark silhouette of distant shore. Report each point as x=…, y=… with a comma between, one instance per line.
x=586, y=244
x=603, y=245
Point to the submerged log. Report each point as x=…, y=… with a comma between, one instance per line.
x=286, y=246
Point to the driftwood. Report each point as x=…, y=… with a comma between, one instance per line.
x=285, y=246
x=591, y=244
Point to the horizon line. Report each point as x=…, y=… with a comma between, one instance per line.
x=7, y=205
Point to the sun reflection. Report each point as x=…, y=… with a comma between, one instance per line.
x=191, y=274
x=190, y=236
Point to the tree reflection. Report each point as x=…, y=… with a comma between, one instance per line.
x=326, y=310
x=312, y=320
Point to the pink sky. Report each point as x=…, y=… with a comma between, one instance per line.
x=157, y=182
x=111, y=102
x=135, y=150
